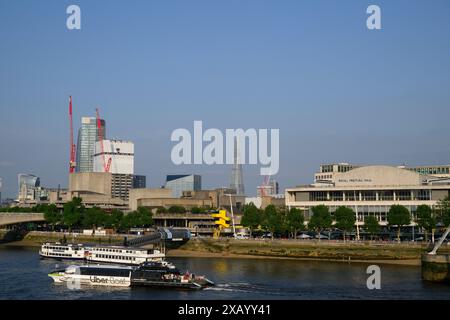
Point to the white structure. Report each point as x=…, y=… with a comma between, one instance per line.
x=370, y=190
x=121, y=154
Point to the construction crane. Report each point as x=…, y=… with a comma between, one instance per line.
x=72, y=163
x=106, y=164
x=262, y=188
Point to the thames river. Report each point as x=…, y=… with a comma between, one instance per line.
x=23, y=275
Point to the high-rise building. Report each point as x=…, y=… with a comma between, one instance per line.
x=183, y=182
x=139, y=182
x=87, y=137
x=121, y=154
x=28, y=186
x=1, y=191
x=237, y=181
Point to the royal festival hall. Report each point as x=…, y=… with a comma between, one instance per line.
x=371, y=190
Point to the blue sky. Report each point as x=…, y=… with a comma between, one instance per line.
x=336, y=90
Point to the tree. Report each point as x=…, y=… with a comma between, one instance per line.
x=94, y=217
x=145, y=218
x=252, y=217
x=161, y=210
x=142, y=217
x=272, y=220
x=177, y=209
x=425, y=219
x=443, y=211
x=73, y=212
x=345, y=219
x=295, y=221
x=371, y=225
x=399, y=216
x=114, y=219
x=52, y=216
x=320, y=220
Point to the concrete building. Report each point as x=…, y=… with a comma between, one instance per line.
x=96, y=188
x=1, y=185
x=87, y=137
x=183, y=182
x=121, y=154
x=368, y=190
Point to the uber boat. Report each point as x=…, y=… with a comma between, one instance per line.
x=166, y=275
x=97, y=275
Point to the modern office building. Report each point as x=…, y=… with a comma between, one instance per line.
x=369, y=190
x=88, y=135
x=180, y=183
x=29, y=187
x=117, y=153
x=139, y=182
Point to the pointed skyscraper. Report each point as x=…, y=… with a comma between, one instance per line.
x=237, y=182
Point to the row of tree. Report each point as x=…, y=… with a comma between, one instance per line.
x=292, y=221
x=76, y=215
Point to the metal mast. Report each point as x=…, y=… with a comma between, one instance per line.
x=72, y=163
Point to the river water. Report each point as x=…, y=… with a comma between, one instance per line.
x=23, y=275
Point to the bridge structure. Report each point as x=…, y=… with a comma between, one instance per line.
x=9, y=218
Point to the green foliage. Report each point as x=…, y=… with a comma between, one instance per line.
x=371, y=225
x=321, y=219
x=399, y=216
x=161, y=210
x=73, y=212
x=94, y=217
x=51, y=215
x=443, y=211
x=252, y=217
x=137, y=219
x=425, y=218
x=177, y=209
x=345, y=219
x=272, y=220
x=114, y=219
x=295, y=221
x=197, y=210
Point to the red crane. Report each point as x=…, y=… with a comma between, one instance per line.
x=106, y=165
x=72, y=163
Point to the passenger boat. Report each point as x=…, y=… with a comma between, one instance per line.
x=98, y=275
x=62, y=251
x=123, y=255
x=103, y=254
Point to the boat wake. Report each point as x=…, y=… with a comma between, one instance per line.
x=244, y=287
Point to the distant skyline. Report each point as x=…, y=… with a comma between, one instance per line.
x=337, y=91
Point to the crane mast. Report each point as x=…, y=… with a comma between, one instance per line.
x=72, y=163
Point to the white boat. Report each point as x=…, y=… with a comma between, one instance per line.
x=96, y=275
x=103, y=254
x=123, y=255
x=63, y=251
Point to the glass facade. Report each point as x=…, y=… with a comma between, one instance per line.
x=180, y=183
x=87, y=136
